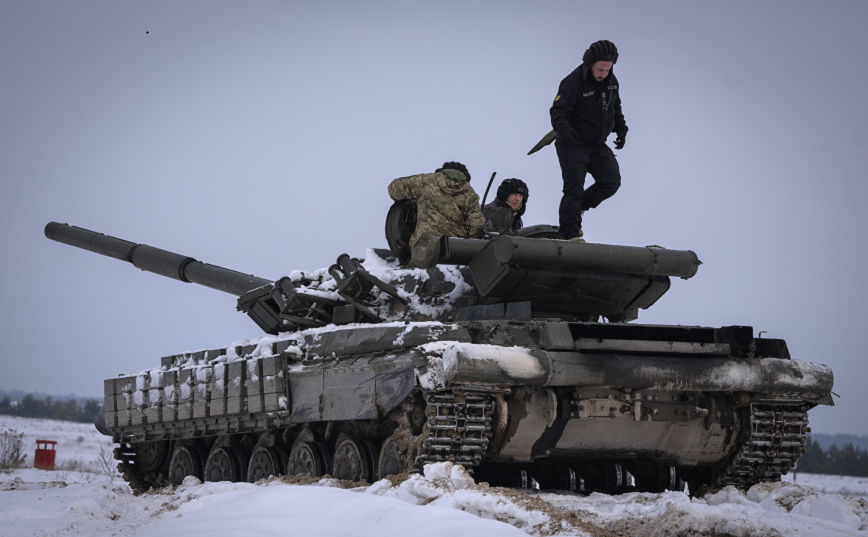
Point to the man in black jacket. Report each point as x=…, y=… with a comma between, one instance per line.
x=586, y=110
x=512, y=193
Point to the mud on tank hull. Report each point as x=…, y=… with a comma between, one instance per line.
x=519, y=401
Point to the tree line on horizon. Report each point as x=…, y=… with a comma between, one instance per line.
x=847, y=460
x=71, y=410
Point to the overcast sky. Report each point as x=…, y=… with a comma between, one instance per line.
x=261, y=137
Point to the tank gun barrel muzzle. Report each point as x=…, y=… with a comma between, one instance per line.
x=150, y=259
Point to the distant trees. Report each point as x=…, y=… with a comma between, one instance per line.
x=72, y=410
x=847, y=460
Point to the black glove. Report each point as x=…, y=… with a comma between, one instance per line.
x=619, y=141
x=567, y=135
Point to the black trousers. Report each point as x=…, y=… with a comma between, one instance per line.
x=576, y=162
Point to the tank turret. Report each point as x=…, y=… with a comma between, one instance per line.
x=590, y=280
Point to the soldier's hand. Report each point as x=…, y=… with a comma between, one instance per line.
x=619, y=141
x=567, y=135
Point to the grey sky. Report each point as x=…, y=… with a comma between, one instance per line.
x=261, y=137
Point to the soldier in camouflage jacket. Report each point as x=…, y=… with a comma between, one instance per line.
x=446, y=204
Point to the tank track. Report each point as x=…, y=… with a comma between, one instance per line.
x=778, y=433
x=458, y=428
x=138, y=480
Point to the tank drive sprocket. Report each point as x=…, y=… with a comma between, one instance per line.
x=142, y=464
x=778, y=433
x=458, y=428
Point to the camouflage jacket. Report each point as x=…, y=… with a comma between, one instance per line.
x=446, y=205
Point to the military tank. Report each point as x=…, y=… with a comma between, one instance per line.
x=517, y=356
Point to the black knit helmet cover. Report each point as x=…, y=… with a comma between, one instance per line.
x=455, y=166
x=601, y=51
x=514, y=186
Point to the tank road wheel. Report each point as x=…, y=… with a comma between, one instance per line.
x=614, y=476
x=264, y=462
x=557, y=476
x=667, y=479
x=353, y=460
x=394, y=458
x=223, y=465
x=517, y=477
x=185, y=462
x=308, y=458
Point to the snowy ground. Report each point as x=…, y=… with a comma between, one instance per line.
x=78, y=444
x=445, y=501
x=832, y=484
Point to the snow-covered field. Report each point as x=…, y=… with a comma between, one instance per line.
x=445, y=501
x=78, y=444
x=832, y=484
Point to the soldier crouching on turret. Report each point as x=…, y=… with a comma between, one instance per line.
x=446, y=205
x=512, y=196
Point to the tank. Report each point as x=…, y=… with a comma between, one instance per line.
x=518, y=356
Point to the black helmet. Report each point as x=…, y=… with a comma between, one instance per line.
x=601, y=51
x=514, y=186
x=455, y=166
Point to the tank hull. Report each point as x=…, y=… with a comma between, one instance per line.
x=672, y=407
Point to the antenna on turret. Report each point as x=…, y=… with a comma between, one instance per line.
x=481, y=205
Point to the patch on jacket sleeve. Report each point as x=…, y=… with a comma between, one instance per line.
x=613, y=87
x=558, y=97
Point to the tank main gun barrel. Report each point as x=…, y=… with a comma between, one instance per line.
x=150, y=259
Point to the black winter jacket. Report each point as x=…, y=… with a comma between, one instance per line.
x=592, y=108
x=498, y=204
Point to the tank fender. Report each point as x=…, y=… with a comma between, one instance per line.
x=99, y=423
x=357, y=390
x=371, y=339
x=464, y=363
x=393, y=387
x=773, y=376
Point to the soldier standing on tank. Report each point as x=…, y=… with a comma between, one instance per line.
x=446, y=204
x=512, y=194
x=586, y=110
